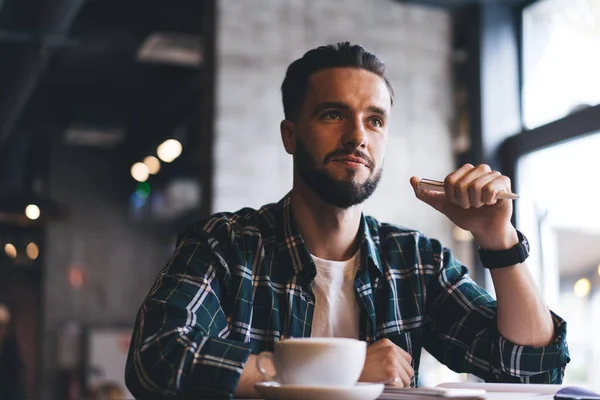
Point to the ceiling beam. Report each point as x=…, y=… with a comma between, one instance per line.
x=58, y=16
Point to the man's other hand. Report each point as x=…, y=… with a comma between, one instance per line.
x=387, y=363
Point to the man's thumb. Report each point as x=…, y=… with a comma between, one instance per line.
x=434, y=199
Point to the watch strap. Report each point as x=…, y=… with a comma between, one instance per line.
x=505, y=258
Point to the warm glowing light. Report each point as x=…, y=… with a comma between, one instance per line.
x=582, y=287
x=76, y=277
x=169, y=150
x=153, y=164
x=10, y=250
x=32, y=211
x=139, y=172
x=598, y=269
x=32, y=250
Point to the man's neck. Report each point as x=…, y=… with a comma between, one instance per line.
x=329, y=232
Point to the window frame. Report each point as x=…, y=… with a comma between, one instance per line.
x=575, y=125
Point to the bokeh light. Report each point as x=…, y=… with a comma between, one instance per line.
x=32, y=212
x=169, y=150
x=140, y=172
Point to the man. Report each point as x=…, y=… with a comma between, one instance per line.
x=12, y=386
x=314, y=265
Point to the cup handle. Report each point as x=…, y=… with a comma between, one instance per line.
x=261, y=369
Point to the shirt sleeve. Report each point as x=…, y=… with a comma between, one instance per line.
x=462, y=330
x=180, y=344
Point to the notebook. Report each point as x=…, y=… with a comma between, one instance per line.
x=489, y=391
x=556, y=392
x=394, y=392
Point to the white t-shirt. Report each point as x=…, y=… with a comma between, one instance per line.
x=336, y=311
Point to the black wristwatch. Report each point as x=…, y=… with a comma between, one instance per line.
x=505, y=258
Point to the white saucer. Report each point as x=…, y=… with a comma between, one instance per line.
x=360, y=391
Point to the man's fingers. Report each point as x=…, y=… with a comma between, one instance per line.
x=404, y=359
x=406, y=366
x=465, y=185
x=435, y=200
x=404, y=376
x=479, y=190
x=399, y=352
x=404, y=354
x=393, y=363
x=494, y=187
x=452, y=179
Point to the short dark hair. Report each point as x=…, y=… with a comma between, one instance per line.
x=344, y=54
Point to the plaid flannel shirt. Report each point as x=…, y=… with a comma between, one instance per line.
x=238, y=282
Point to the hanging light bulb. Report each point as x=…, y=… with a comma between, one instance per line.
x=10, y=250
x=32, y=212
x=169, y=150
x=32, y=250
x=153, y=164
x=139, y=172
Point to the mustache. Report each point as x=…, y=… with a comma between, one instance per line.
x=344, y=153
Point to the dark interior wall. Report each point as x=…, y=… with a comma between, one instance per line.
x=19, y=290
x=120, y=258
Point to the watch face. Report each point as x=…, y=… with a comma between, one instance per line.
x=525, y=242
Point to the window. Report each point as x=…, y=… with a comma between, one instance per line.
x=559, y=212
x=561, y=59
x=557, y=169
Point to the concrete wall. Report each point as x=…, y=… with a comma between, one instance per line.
x=258, y=39
x=120, y=257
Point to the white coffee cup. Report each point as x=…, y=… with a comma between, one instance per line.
x=315, y=361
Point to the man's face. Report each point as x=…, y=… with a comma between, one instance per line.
x=341, y=134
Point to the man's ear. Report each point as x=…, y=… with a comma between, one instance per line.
x=288, y=135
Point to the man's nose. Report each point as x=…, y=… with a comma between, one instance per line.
x=356, y=136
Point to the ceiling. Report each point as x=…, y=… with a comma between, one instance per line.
x=71, y=71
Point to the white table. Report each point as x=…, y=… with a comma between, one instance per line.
x=497, y=396
x=500, y=391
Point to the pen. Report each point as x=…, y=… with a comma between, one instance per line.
x=437, y=186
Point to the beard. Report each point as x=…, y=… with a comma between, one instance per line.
x=343, y=193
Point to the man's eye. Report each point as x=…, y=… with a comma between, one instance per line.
x=332, y=115
x=377, y=122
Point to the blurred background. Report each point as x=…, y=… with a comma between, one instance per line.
x=123, y=120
